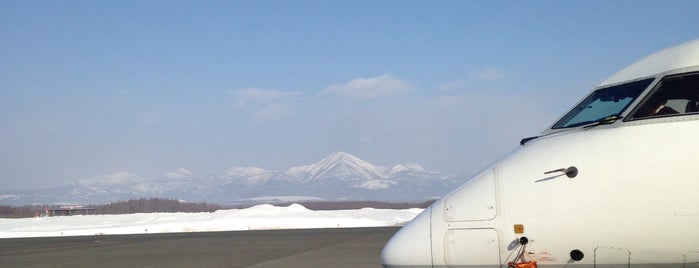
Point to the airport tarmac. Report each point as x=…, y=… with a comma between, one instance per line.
x=342, y=247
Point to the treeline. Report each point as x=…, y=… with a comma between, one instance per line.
x=151, y=205
x=143, y=205
x=21, y=211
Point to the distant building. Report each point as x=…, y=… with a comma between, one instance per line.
x=70, y=211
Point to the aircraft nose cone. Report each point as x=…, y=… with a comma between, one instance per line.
x=411, y=246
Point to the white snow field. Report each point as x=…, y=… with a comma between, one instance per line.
x=259, y=217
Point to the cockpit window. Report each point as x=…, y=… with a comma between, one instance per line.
x=674, y=95
x=603, y=104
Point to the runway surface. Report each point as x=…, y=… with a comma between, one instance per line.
x=351, y=247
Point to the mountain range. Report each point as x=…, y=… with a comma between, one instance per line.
x=337, y=177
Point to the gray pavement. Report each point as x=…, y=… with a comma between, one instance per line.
x=352, y=247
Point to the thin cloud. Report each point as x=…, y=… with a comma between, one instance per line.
x=447, y=86
x=251, y=97
x=444, y=101
x=369, y=88
x=275, y=111
x=488, y=74
x=266, y=105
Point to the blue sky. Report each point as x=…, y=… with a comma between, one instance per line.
x=148, y=87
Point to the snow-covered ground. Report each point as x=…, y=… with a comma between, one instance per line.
x=255, y=218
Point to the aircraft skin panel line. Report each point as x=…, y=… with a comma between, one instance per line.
x=681, y=56
x=614, y=182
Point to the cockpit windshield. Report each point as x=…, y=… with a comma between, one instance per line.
x=603, y=104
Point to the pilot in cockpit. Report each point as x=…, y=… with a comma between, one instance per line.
x=662, y=109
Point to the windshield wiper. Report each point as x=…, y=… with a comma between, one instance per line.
x=525, y=140
x=592, y=123
x=586, y=125
x=602, y=121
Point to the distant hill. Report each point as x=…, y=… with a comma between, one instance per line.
x=337, y=177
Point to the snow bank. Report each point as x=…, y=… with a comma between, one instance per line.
x=255, y=218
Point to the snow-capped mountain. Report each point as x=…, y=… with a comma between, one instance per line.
x=251, y=174
x=179, y=173
x=339, y=176
x=339, y=165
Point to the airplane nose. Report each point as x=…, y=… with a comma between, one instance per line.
x=411, y=246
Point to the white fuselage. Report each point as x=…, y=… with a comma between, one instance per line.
x=633, y=203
